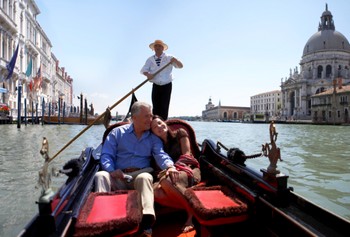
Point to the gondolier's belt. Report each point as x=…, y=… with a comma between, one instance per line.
x=129, y=170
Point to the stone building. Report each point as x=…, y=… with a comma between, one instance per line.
x=47, y=81
x=326, y=56
x=268, y=104
x=224, y=113
x=332, y=106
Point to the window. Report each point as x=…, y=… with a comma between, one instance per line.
x=319, y=71
x=3, y=48
x=328, y=71
x=323, y=115
x=4, y=6
x=21, y=24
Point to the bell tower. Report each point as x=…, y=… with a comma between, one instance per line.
x=327, y=22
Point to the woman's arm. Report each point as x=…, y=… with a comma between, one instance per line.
x=185, y=146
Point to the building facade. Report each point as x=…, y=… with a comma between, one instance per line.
x=36, y=70
x=332, y=106
x=268, y=104
x=224, y=113
x=326, y=56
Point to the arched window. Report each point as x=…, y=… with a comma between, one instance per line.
x=319, y=71
x=328, y=71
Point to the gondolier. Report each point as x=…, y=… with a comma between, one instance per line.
x=162, y=82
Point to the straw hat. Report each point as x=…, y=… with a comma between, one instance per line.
x=160, y=43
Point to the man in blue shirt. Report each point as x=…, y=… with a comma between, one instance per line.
x=126, y=160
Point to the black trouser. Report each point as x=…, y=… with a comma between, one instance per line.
x=161, y=99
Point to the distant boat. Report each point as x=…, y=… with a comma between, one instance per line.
x=72, y=119
x=232, y=121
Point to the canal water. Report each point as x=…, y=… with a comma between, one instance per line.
x=316, y=158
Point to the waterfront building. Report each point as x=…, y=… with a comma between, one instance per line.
x=224, y=113
x=62, y=87
x=332, y=106
x=267, y=105
x=326, y=56
x=36, y=70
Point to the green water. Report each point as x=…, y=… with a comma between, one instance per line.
x=316, y=158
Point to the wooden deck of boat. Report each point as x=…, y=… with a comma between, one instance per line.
x=170, y=225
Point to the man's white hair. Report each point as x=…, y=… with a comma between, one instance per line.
x=136, y=107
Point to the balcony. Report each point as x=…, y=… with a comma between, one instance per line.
x=31, y=47
x=321, y=105
x=6, y=21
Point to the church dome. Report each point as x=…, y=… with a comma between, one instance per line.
x=327, y=38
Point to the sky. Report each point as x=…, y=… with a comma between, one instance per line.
x=231, y=50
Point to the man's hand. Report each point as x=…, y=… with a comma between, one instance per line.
x=174, y=60
x=148, y=75
x=117, y=174
x=173, y=174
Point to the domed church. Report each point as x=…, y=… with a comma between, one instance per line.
x=326, y=58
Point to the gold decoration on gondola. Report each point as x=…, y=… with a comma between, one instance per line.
x=44, y=174
x=271, y=150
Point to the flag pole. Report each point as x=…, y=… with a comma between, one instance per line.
x=19, y=92
x=103, y=114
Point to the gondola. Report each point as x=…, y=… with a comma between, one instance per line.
x=232, y=200
x=71, y=120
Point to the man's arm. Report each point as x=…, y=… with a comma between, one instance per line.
x=109, y=152
x=164, y=161
x=162, y=158
x=177, y=63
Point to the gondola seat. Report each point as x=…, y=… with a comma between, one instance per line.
x=109, y=214
x=214, y=206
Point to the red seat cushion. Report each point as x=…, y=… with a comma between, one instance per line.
x=106, y=208
x=112, y=213
x=216, y=205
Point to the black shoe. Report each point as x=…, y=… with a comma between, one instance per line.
x=147, y=222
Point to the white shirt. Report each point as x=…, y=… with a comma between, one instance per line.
x=165, y=76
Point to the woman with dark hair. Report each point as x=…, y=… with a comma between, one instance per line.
x=170, y=192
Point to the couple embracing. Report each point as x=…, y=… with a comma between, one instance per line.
x=126, y=164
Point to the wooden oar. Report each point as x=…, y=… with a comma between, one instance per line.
x=100, y=117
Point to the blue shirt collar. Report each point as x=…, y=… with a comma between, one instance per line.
x=131, y=130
